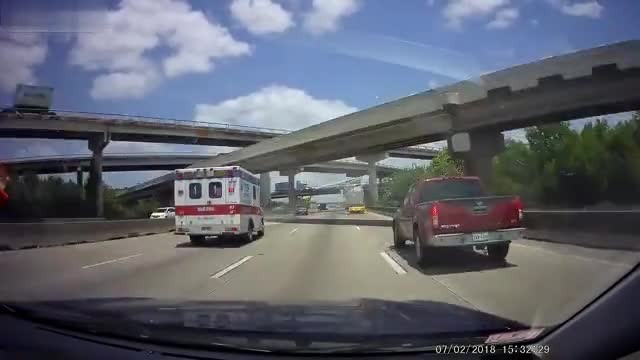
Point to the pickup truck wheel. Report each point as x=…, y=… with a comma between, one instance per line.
x=260, y=233
x=421, y=255
x=196, y=239
x=498, y=252
x=397, y=240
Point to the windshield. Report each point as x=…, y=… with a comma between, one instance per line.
x=285, y=146
x=450, y=189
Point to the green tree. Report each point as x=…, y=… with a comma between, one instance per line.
x=557, y=166
x=394, y=189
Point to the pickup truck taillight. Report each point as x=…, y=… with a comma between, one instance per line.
x=519, y=207
x=435, y=223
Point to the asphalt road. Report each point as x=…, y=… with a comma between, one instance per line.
x=540, y=284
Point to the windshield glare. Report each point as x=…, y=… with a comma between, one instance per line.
x=349, y=175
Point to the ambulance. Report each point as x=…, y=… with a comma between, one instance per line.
x=218, y=201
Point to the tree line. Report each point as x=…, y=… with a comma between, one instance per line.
x=557, y=166
x=33, y=197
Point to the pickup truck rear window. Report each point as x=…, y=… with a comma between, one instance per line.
x=450, y=189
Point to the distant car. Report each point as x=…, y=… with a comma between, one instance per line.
x=163, y=213
x=357, y=209
x=302, y=211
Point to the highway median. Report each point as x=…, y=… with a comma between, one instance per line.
x=16, y=236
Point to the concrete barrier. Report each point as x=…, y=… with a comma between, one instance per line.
x=305, y=220
x=610, y=229
x=15, y=236
x=593, y=221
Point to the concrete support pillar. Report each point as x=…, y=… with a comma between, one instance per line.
x=371, y=160
x=291, y=191
x=373, y=182
x=95, y=189
x=80, y=180
x=484, y=145
x=265, y=190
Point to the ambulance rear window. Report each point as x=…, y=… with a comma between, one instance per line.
x=215, y=189
x=195, y=191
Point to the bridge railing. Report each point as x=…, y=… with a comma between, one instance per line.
x=113, y=117
x=106, y=154
x=110, y=117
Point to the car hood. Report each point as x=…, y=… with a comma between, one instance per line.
x=370, y=317
x=158, y=214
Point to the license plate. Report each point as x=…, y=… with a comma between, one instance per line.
x=206, y=228
x=483, y=236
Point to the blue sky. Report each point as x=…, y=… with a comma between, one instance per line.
x=275, y=63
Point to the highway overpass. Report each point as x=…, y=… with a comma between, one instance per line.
x=159, y=161
x=586, y=83
x=100, y=129
x=117, y=127
x=162, y=187
x=308, y=192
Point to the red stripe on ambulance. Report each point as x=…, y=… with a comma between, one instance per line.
x=222, y=209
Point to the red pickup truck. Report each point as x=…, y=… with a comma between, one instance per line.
x=456, y=212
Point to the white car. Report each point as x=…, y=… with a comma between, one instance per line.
x=163, y=213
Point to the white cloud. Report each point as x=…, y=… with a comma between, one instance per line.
x=588, y=9
x=126, y=35
x=504, y=18
x=20, y=53
x=274, y=107
x=261, y=17
x=124, y=85
x=325, y=15
x=534, y=22
x=591, y=9
x=431, y=2
x=457, y=11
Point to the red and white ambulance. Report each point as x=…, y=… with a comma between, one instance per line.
x=218, y=201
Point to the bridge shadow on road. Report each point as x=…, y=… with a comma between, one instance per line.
x=454, y=261
x=214, y=243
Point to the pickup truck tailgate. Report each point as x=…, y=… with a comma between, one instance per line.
x=476, y=214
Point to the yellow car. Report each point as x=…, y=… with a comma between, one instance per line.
x=357, y=209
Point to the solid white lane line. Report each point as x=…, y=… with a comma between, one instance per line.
x=358, y=227
x=292, y=231
x=571, y=255
x=394, y=265
x=111, y=261
x=222, y=272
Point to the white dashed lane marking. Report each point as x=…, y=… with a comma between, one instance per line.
x=112, y=261
x=222, y=272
